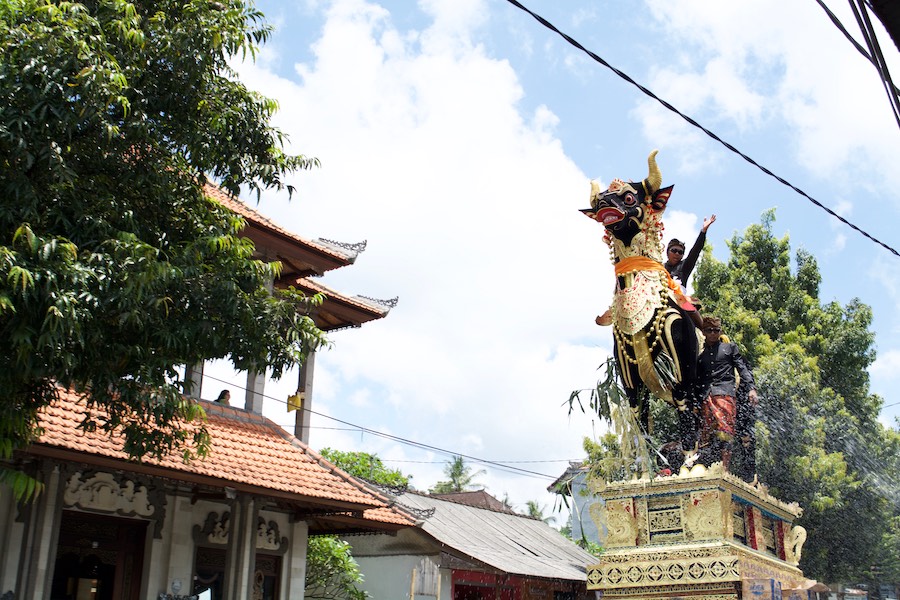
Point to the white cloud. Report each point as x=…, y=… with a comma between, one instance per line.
x=887, y=364
x=470, y=209
x=748, y=67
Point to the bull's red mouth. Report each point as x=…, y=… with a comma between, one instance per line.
x=609, y=216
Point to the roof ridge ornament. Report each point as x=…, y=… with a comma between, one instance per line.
x=357, y=247
x=389, y=303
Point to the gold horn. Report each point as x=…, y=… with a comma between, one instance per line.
x=595, y=193
x=654, y=179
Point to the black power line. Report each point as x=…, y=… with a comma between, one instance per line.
x=893, y=92
x=506, y=467
x=877, y=58
x=693, y=122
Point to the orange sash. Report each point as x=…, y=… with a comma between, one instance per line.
x=642, y=263
x=631, y=264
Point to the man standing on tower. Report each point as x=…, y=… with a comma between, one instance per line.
x=716, y=369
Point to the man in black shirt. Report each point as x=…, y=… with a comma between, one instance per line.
x=677, y=264
x=716, y=368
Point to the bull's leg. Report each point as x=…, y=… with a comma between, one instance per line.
x=688, y=427
x=680, y=340
x=639, y=400
x=632, y=383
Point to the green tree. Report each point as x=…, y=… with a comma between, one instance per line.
x=331, y=571
x=460, y=478
x=114, y=266
x=367, y=466
x=819, y=440
x=534, y=510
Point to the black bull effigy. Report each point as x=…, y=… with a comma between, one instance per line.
x=654, y=341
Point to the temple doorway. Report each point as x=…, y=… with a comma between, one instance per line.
x=98, y=557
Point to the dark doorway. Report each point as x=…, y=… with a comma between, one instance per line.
x=482, y=592
x=98, y=558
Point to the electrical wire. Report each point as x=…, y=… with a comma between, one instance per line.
x=694, y=123
x=865, y=26
x=893, y=92
x=505, y=467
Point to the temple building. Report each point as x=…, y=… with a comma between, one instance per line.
x=232, y=525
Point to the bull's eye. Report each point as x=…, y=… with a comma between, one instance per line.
x=629, y=199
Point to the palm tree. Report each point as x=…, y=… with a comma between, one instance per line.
x=536, y=511
x=460, y=477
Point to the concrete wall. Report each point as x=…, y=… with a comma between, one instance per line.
x=390, y=577
x=582, y=523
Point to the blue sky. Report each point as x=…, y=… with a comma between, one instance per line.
x=458, y=137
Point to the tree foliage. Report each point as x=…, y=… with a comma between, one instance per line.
x=367, y=466
x=819, y=440
x=114, y=266
x=331, y=571
x=460, y=477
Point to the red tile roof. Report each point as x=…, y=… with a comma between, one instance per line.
x=301, y=258
x=255, y=218
x=249, y=452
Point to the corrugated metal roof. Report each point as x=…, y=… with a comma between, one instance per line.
x=514, y=544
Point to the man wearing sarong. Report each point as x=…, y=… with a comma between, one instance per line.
x=717, y=367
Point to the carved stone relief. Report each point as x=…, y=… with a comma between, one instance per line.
x=107, y=493
x=269, y=538
x=216, y=530
x=116, y=493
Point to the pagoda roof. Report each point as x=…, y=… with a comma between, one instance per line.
x=302, y=258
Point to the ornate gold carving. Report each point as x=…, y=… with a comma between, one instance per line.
x=662, y=553
x=715, y=476
x=665, y=520
x=621, y=523
x=703, y=515
x=705, y=591
x=639, y=572
x=597, y=511
x=738, y=527
x=686, y=537
x=793, y=545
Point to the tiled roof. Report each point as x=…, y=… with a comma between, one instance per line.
x=301, y=258
x=340, y=256
x=338, y=310
x=248, y=452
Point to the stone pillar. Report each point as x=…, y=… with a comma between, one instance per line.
x=256, y=385
x=193, y=378
x=11, y=532
x=40, y=539
x=294, y=576
x=181, y=547
x=305, y=387
x=240, y=558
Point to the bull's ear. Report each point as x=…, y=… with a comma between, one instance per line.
x=661, y=198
